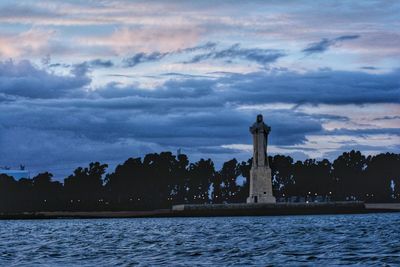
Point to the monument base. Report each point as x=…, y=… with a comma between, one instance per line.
x=263, y=209
x=260, y=185
x=260, y=199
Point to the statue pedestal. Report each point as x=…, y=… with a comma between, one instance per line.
x=260, y=185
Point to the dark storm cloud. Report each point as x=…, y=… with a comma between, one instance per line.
x=146, y=105
x=7, y=98
x=321, y=87
x=85, y=66
x=59, y=65
x=187, y=112
x=260, y=56
x=142, y=57
x=325, y=44
x=187, y=88
x=369, y=68
x=101, y=63
x=387, y=118
x=346, y=37
x=80, y=70
x=206, y=46
x=197, y=114
x=212, y=126
x=329, y=87
x=26, y=80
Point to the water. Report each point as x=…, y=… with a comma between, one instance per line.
x=372, y=239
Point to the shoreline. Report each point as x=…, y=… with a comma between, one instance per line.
x=206, y=211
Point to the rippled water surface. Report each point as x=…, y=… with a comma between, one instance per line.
x=372, y=239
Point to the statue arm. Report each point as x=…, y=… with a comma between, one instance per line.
x=267, y=129
x=253, y=129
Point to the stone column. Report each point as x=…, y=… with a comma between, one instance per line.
x=260, y=172
x=260, y=147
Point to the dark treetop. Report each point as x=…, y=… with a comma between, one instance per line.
x=161, y=180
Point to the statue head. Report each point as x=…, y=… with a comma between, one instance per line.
x=259, y=118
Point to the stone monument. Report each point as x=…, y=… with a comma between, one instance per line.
x=261, y=200
x=260, y=172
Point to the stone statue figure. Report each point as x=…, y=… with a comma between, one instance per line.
x=260, y=132
x=260, y=172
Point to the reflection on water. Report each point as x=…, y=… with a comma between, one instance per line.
x=371, y=239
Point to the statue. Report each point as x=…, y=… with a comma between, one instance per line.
x=260, y=132
x=260, y=172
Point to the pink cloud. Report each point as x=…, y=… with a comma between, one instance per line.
x=128, y=40
x=34, y=42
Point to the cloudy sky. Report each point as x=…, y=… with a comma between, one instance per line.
x=84, y=81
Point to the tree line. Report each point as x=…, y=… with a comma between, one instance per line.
x=161, y=180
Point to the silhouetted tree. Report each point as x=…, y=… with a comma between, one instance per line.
x=24, y=195
x=47, y=194
x=8, y=193
x=323, y=180
x=216, y=195
x=124, y=187
x=244, y=169
x=85, y=187
x=348, y=170
x=200, y=176
x=179, y=184
x=282, y=175
x=229, y=174
x=381, y=183
x=161, y=180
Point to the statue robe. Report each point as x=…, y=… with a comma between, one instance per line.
x=260, y=132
